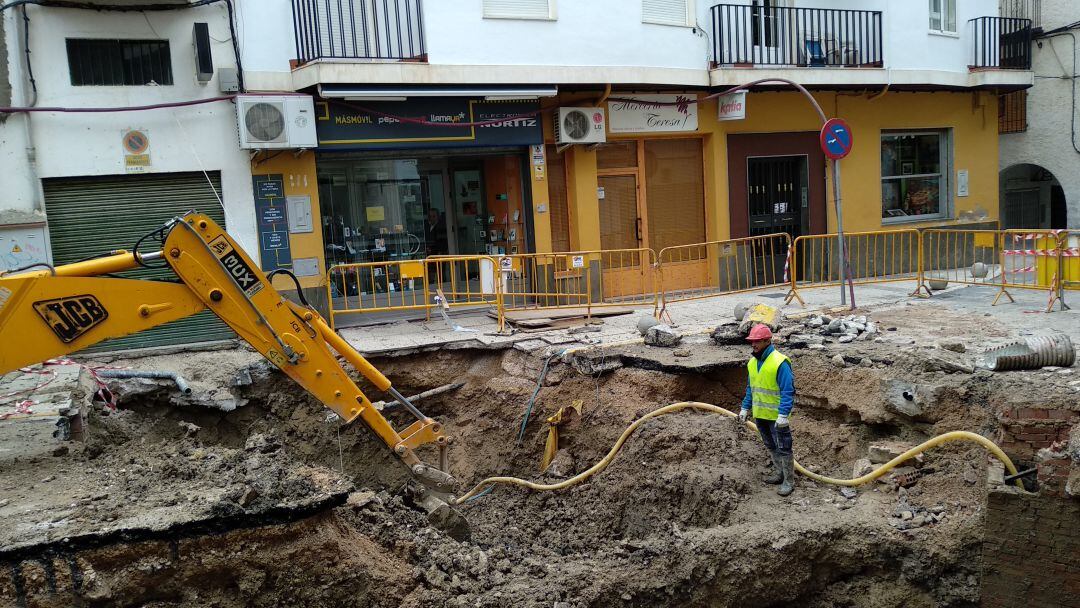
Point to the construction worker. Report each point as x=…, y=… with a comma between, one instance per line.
x=770, y=395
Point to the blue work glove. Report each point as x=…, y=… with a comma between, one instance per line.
x=782, y=421
x=742, y=416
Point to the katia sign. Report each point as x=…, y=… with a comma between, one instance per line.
x=731, y=106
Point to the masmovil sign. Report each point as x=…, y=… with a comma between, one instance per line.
x=377, y=124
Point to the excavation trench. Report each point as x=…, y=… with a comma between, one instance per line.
x=274, y=504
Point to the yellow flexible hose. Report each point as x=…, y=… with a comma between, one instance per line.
x=707, y=407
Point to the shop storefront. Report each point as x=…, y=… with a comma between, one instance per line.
x=394, y=189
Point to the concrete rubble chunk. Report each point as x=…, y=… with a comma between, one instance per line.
x=846, y=338
x=728, y=335
x=662, y=335
x=838, y=361
x=861, y=467
x=682, y=352
x=760, y=313
x=902, y=397
x=814, y=322
x=955, y=346
x=848, y=493
x=1072, y=485
x=884, y=451
x=937, y=362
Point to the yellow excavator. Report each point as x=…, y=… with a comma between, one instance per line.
x=53, y=311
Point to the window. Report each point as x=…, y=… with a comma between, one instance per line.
x=519, y=9
x=943, y=16
x=668, y=12
x=915, y=175
x=119, y=62
x=1012, y=112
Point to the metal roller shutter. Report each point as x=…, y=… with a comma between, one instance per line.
x=89, y=216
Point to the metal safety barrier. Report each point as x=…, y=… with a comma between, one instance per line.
x=544, y=280
x=1031, y=259
x=1070, y=260
x=402, y=285
x=881, y=256
x=622, y=277
x=964, y=257
x=370, y=287
x=702, y=270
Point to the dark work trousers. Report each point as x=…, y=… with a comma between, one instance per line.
x=776, y=438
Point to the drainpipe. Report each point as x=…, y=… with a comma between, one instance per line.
x=181, y=384
x=30, y=100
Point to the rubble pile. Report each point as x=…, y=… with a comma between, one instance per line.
x=818, y=330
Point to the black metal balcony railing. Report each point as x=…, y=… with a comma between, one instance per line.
x=1000, y=42
x=359, y=29
x=802, y=37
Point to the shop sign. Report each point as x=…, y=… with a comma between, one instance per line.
x=731, y=106
x=653, y=114
x=368, y=125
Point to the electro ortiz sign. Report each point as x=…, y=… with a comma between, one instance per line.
x=445, y=122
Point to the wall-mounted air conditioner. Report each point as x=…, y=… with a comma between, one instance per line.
x=275, y=121
x=580, y=126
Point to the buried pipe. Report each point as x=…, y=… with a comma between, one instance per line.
x=1033, y=353
x=181, y=384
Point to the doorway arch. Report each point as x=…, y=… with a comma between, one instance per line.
x=1031, y=197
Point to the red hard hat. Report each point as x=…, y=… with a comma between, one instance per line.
x=759, y=332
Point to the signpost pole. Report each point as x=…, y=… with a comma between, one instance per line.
x=844, y=274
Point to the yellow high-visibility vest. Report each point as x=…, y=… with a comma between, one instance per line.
x=764, y=389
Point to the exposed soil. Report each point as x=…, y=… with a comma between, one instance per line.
x=170, y=503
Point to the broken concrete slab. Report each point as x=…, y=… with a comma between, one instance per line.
x=662, y=335
x=902, y=397
x=884, y=451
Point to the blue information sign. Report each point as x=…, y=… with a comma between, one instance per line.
x=272, y=222
x=836, y=139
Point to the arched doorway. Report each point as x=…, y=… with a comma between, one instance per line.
x=1031, y=197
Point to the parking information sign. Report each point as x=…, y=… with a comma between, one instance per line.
x=836, y=139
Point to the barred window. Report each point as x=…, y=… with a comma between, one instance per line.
x=119, y=62
x=1012, y=112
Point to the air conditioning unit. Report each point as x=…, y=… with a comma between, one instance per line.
x=275, y=121
x=580, y=126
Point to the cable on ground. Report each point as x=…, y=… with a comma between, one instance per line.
x=707, y=407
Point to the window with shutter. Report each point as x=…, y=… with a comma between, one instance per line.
x=519, y=9
x=668, y=12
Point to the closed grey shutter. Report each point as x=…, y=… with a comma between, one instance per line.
x=91, y=216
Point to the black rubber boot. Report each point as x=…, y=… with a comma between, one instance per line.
x=777, y=471
x=788, y=485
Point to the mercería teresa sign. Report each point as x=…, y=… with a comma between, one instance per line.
x=445, y=123
x=653, y=113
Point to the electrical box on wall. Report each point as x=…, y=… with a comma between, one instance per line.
x=22, y=245
x=227, y=80
x=204, y=62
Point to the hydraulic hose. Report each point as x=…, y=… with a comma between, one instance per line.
x=707, y=407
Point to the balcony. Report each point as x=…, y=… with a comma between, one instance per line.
x=1000, y=43
x=745, y=36
x=360, y=30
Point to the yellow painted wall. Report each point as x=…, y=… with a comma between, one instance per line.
x=972, y=117
x=298, y=175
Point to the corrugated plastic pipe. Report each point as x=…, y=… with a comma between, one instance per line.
x=708, y=407
x=181, y=384
x=1032, y=353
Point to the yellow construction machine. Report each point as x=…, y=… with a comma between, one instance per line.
x=53, y=311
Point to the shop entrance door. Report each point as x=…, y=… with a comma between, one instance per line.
x=622, y=231
x=776, y=196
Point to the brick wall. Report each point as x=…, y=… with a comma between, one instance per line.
x=1026, y=430
x=1031, y=551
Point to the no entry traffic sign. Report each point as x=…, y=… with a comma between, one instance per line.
x=836, y=139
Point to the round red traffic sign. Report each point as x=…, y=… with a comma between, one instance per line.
x=136, y=142
x=836, y=138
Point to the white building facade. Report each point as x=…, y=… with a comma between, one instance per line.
x=1040, y=145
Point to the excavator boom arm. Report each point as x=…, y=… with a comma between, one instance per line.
x=45, y=314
